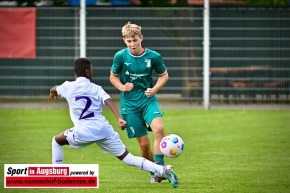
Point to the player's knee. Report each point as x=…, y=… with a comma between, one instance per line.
x=159, y=128
x=145, y=145
x=158, y=131
x=56, y=141
x=61, y=139
x=53, y=142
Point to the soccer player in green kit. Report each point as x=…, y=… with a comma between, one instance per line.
x=131, y=73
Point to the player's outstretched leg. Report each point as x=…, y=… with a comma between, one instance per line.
x=144, y=164
x=170, y=175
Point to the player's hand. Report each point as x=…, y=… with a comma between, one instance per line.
x=52, y=95
x=128, y=87
x=122, y=124
x=149, y=92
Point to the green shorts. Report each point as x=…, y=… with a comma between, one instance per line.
x=137, y=121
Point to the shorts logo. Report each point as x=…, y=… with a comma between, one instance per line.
x=132, y=130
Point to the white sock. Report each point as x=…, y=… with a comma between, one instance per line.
x=142, y=163
x=57, y=152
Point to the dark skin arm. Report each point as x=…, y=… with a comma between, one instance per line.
x=121, y=123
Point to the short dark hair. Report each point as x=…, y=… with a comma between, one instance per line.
x=81, y=65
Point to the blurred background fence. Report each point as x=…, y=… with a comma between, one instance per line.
x=249, y=52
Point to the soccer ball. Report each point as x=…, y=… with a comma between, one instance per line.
x=171, y=146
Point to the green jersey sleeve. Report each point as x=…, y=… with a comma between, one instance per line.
x=117, y=63
x=158, y=64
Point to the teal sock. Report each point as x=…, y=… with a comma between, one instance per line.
x=159, y=159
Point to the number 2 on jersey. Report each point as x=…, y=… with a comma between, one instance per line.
x=89, y=102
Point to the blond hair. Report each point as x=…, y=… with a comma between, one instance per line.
x=131, y=30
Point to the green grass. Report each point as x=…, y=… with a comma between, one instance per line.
x=235, y=151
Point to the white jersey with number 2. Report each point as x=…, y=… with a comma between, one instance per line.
x=85, y=100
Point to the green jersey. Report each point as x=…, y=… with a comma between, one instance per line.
x=137, y=70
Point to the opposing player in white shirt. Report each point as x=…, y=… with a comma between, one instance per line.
x=85, y=101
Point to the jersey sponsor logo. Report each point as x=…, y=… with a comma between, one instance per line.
x=134, y=76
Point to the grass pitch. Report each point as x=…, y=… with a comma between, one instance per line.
x=235, y=151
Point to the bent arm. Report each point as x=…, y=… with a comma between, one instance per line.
x=161, y=82
x=114, y=79
x=113, y=108
x=121, y=123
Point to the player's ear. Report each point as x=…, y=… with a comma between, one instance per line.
x=88, y=72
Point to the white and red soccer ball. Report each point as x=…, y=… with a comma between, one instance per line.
x=171, y=145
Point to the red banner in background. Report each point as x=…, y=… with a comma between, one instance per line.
x=17, y=33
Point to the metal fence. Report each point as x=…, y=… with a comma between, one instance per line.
x=250, y=52
x=250, y=55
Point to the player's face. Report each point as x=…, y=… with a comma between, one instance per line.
x=134, y=44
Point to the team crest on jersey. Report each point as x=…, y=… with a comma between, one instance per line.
x=148, y=61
